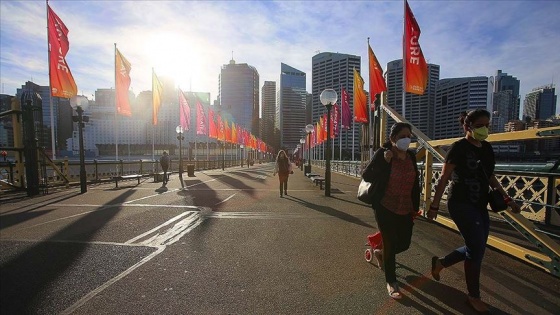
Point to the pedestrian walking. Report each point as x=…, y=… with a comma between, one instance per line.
x=395, y=195
x=466, y=165
x=283, y=167
x=165, y=161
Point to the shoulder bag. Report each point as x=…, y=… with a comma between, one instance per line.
x=363, y=192
x=495, y=198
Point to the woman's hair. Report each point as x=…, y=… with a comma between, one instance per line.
x=466, y=119
x=397, y=127
x=281, y=151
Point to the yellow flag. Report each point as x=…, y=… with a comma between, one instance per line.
x=157, y=91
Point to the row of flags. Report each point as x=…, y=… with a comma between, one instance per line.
x=415, y=78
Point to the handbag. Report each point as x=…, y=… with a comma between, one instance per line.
x=363, y=192
x=495, y=198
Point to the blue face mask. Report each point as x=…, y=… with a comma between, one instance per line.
x=403, y=144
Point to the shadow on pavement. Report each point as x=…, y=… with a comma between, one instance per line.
x=26, y=278
x=352, y=202
x=235, y=183
x=330, y=211
x=200, y=194
x=8, y=220
x=41, y=204
x=161, y=189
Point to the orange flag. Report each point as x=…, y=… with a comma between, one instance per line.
x=376, y=80
x=415, y=65
x=61, y=79
x=157, y=91
x=360, y=99
x=122, y=83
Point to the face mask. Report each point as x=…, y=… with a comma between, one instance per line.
x=480, y=133
x=402, y=144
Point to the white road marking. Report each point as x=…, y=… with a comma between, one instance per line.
x=132, y=240
x=169, y=191
x=107, y=284
x=228, y=198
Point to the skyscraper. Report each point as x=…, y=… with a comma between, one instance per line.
x=540, y=103
x=268, y=111
x=505, y=103
x=335, y=71
x=239, y=94
x=419, y=109
x=456, y=95
x=290, y=110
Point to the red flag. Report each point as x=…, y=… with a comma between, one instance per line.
x=61, y=79
x=360, y=99
x=122, y=84
x=346, y=114
x=221, y=130
x=335, y=119
x=200, y=119
x=376, y=80
x=184, y=111
x=415, y=65
x=213, y=130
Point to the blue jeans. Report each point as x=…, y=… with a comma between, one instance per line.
x=474, y=225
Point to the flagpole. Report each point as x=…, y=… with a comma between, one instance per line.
x=51, y=105
x=153, y=126
x=404, y=62
x=340, y=129
x=372, y=97
x=116, y=110
x=353, y=139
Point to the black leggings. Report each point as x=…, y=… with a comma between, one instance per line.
x=396, y=232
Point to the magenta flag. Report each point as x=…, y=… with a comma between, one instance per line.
x=200, y=119
x=346, y=113
x=184, y=111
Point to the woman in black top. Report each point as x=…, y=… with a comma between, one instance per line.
x=467, y=165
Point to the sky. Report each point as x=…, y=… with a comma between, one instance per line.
x=190, y=41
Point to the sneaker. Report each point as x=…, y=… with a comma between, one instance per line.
x=436, y=267
x=285, y=192
x=393, y=290
x=378, y=254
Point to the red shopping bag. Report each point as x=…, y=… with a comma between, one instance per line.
x=375, y=240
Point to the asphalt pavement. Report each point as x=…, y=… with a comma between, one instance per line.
x=227, y=243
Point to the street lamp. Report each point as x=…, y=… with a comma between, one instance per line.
x=309, y=129
x=302, y=141
x=79, y=103
x=242, y=155
x=328, y=98
x=179, y=131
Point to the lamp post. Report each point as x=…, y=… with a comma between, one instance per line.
x=79, y=103
x=309, y=129
x=328, y=98
x=180, y=137
x=302, y=141
x=242, y=155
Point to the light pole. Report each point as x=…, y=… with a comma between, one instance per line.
x=78, y=103
x=180, y=137
x=328, y=98
x=302, y=141
x=309, y=129
x=242, y=155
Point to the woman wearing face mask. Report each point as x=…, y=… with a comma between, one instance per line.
x=283, y=167
x=396, y=198
x=466, y=164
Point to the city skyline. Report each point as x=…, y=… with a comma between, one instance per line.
x=191, y=41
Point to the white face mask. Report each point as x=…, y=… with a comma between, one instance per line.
x=402, y=144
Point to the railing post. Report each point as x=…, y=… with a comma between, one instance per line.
x=66, y=168
x=121, y=167
x=96, y=169
x=141, y=168
x=428, y=180
x=550, y=199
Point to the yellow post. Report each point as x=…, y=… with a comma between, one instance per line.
x=427, y=194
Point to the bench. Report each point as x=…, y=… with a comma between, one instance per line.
x=318, y=180
x=125, y=177
x=311, y=175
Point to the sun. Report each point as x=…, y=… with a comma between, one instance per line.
x=174, y=56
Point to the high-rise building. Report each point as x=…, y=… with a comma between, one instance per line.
x=456, y=95
x=61, y=122
x=290, y=109
x=540, y=103
x=505, y=100
x=268, y=111
x=419, y=109
x=239, y=94
x=335, y=71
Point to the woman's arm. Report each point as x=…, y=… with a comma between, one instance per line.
x=446, y=172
